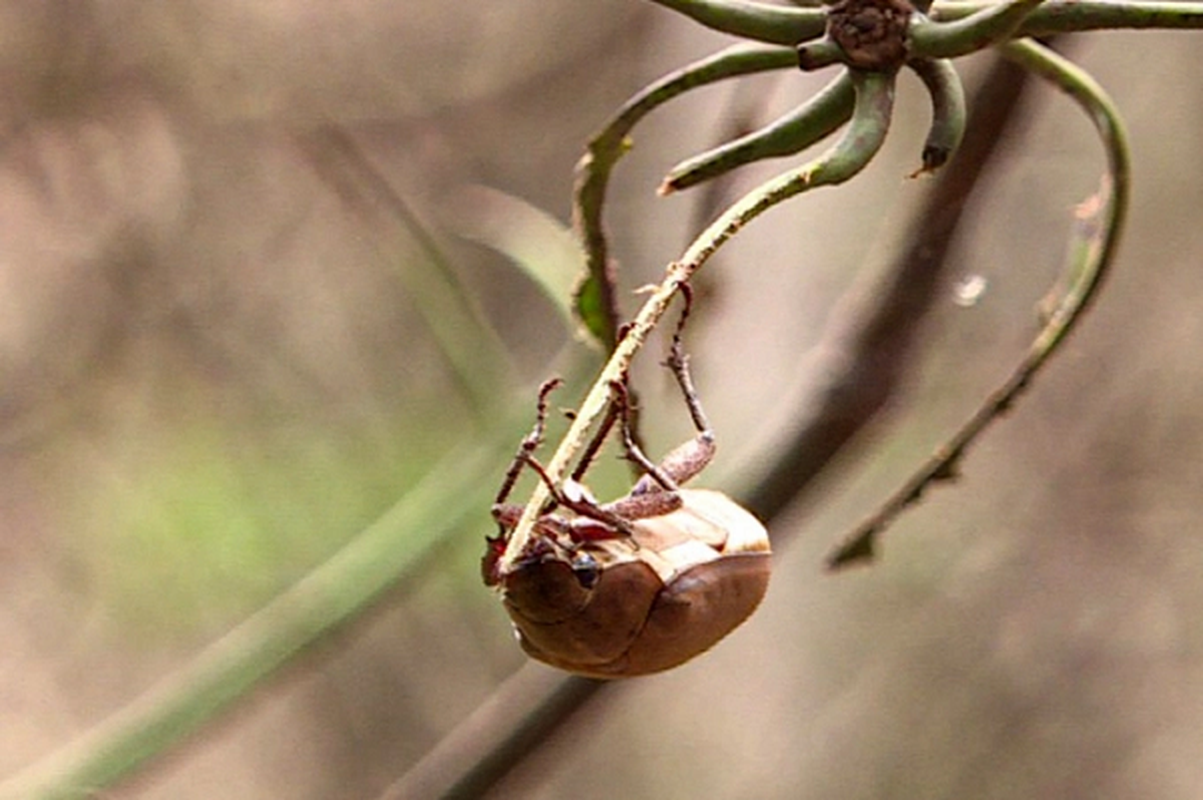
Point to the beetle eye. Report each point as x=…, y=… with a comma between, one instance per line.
x=586, y=570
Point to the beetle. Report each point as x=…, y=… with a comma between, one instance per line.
x=640, y=584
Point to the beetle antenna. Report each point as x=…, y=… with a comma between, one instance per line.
x=530, y=443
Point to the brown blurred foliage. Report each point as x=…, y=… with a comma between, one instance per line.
x=215, y=367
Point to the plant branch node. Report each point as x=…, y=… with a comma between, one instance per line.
x=872, y=33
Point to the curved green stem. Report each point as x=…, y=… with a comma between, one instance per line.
x=1098, y=225
x=595, y=301
x=820, y=54
x=1069, y=16
x=858, y=145
x=981, y=29
x=811, y=122
x=948, y=113
x=750, y=20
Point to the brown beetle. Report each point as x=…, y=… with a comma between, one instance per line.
x=640, y=584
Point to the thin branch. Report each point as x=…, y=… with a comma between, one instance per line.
x=521, y=714
x=976, y=31
x=808, y=124
x=743, y=113
x=1097, y=230
x=949, y=114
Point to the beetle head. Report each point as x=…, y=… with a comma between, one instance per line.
x=549, y=589
x=552, y=538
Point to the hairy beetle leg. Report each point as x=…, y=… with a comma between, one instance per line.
x=595, y=444
x=622, y=403
x=678, y=362
x=645, y=506
x=690, y=458
x=575, y=497
x=530, y=443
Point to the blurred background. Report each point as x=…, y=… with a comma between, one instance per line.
x=257, y=283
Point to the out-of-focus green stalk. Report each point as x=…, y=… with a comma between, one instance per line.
x=383, y=554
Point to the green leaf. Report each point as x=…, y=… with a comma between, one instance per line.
x=542, y=247
x=591, y=307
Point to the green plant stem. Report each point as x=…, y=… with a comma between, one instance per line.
x=820, y=54
x=792, y=26
x=595, y=299
x=858, y=145
x=948, y=113
x=811, y=122
x=1070, y=16
x=757, y=21
x=1098, y=226
x=981, y=29
x=854, y=150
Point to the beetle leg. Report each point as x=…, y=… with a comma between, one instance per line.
x=687, y=460
x=530, y=443
x=633, y=451
x=678, y=362
x=595, y=444
x=507, y=514
x=661, y=497
x=580, y=501
x=644, y=506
